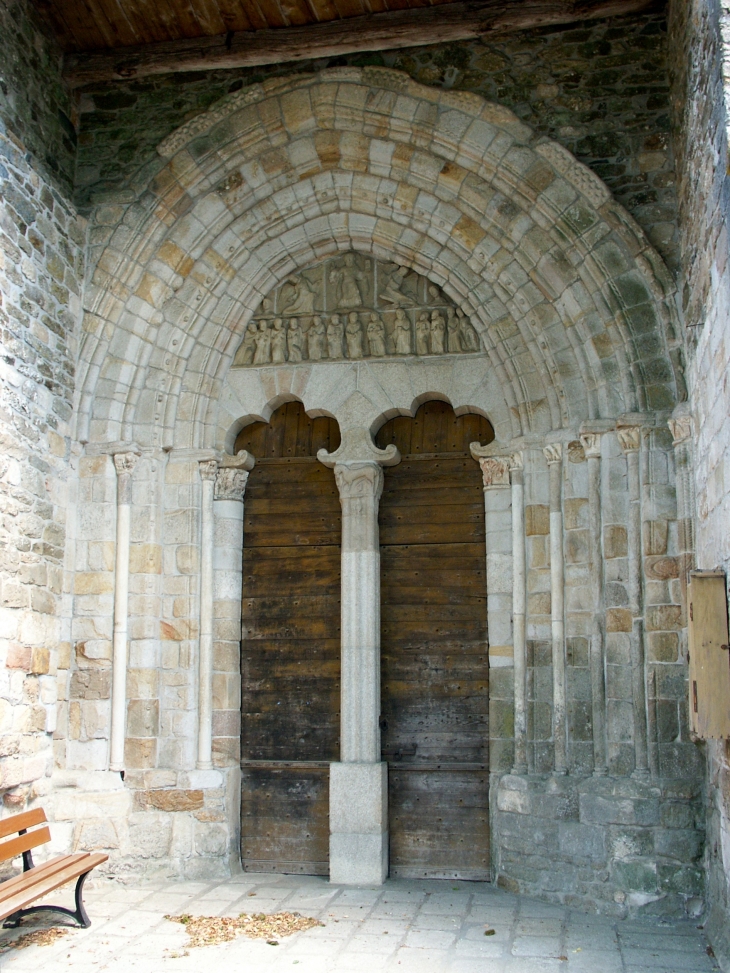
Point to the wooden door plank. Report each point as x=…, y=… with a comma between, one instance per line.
x=290, y=658
x=434, y=650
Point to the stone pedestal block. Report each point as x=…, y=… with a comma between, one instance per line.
x=358, y=823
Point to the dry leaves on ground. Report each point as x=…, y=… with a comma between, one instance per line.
x=39, y=937
x=211, y=930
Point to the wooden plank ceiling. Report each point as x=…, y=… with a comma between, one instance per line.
x=87, y=25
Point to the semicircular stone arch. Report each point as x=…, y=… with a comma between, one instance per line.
x=574, y=310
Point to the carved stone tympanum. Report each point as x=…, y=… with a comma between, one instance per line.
x=351, y=307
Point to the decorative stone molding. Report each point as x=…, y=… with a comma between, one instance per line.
x=230, y=483
x=216, y=113
x=495, y=472
x=358, y=480
x=351, y=307
x=208, y=469
x=682, y=429
x=516, y=462
x=629, y=438
x=591, y=443
x=124, y=464
x=495, y=469
x=553, y=453
x=583, y=178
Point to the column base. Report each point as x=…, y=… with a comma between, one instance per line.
x=358, y=823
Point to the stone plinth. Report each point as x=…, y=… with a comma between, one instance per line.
x=358, y=823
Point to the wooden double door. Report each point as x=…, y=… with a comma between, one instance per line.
x=434, y=679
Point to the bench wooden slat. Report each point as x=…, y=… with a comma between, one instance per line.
x=26, y=879
x=19, y=822
x=24, y=842
x=46, y=882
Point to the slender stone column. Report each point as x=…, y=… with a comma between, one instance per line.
x=629, y=438
x=124, y=464
x=498, y=534
x=359, y=781
x=682, y=426
x=230, y=488
x=208, y=470
x=554, y=456
x=592, y=448
x=519, y=603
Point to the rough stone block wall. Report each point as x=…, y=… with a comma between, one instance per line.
x=42, y=242
x=623, y=841
x=600, y=88
x=700, y=55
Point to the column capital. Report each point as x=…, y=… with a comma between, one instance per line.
x=591, y=443
x=124, y=463
x=495, y=471
x=357, y=480
x=682, y=429
x=232, y=475
x=495, y=468
x=208, y=469
x=516, y=461
x=357, y=447
x=553, y=453
x=230, y=484
x=629, y=438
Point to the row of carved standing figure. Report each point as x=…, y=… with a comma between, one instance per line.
x=343, y=336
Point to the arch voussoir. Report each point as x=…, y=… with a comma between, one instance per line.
x=556, y=278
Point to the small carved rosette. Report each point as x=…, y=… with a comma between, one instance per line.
x=352, y=307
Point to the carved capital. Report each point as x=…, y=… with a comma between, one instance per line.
x=124, y=464
x=495, y=471
x=681, y=428
x=516, y=461
x=553, y=453
x=591, y=443
x=629, y=438
x=359, y=481
x=230, y=483
x=208, y=469
x=232, y=475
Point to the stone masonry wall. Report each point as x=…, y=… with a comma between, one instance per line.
x=700, y=59
x=600, y=88
x=617, y=842
x=34, y=103
x=42, y=244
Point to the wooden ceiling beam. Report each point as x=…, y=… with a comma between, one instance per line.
x=446, y=23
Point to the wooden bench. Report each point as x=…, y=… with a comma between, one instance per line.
x=17, y=893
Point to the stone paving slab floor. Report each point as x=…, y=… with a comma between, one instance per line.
x=419, y=926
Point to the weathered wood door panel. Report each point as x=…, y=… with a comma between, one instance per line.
x=290, y=657
x=435, y=677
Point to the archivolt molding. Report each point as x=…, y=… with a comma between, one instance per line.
x=574, y=309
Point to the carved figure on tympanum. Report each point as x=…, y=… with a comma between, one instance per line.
x=351, y=307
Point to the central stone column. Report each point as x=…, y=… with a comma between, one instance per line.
x=359, y=781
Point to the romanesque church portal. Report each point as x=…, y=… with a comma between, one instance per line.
x=365, y=433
